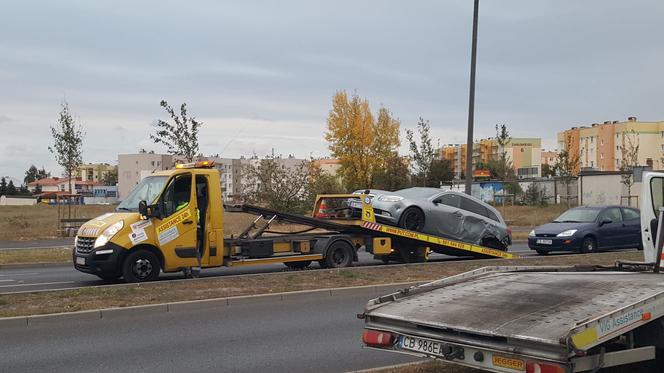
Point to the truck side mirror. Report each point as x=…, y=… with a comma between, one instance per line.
x=143, y=209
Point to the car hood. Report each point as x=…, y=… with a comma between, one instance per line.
x=555, y=228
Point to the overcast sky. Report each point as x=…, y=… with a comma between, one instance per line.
x=261, y=74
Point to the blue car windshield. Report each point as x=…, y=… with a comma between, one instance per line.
x=578, y=215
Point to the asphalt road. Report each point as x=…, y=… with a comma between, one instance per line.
x=63, y=277
x=302, y=335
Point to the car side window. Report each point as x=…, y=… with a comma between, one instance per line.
x=492, y=215
x=177, y=194
x=630, y=214
x=612, y=214
x=472, y=206
x=451, y=200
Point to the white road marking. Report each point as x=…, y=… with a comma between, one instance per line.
x=10, y=280
x=39, y=284
x=21, y=274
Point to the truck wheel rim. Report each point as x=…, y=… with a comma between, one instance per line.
x=338, y=256
x=142, y=268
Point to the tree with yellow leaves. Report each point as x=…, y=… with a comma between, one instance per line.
x=362, y=144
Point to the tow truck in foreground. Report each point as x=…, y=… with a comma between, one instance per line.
x=173, y=220
x=536, y=319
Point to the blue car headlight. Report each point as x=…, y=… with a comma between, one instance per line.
x=567, y=233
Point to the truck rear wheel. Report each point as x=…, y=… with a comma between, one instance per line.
x=141, y=265
x=339, y=254
x=298, y=265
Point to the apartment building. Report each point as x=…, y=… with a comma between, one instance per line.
x=523, y=153
x=133, y=167
x=97, y=172
x=599, y=146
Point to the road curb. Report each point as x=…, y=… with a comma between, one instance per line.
x=195, y=305
x=392, y=367
x=34, y=265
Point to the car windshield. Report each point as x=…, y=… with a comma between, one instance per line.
x=417, y=192
x=147, y=190
x=579, y=215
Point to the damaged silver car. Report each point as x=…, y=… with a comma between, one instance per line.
x=448, y=214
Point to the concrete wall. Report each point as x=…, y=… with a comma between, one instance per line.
x=606, y=189
x=17, y=201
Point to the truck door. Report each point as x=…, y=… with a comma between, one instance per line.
x=176, y=230
x=652, y=198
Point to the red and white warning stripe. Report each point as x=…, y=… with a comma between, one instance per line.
x=372, y=226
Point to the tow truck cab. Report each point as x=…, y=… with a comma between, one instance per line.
x=172, y=220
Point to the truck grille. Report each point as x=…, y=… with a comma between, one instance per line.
x=84, y=245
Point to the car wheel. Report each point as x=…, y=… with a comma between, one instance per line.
x=412, y=219
x=542, y=252
x=589, y=245
x=141, y=265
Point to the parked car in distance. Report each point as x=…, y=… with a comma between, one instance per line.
x=588, y=229
x=434, y=211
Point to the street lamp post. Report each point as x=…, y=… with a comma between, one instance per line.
x=471, y=104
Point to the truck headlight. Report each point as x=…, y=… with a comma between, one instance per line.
x=567, y=233
x=390, y=198
x=108, y=234
x=532, y=233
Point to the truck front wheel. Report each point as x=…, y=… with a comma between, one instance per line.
x=141, y=265
x=340, y=254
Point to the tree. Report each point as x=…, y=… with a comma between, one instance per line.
x=361, y=143
x=548, y=170
x=180, y=138
x=440, y=170
x=501, y=166
x=42, y=174
x=394, y=175
x=110, y=177
x=534, y=195
x=629, y=158
x=68, y=143
x=11, y=189
x=31, y=174
x=269, y=182
x=423, y=154
x=565, y=166
x=3, y=187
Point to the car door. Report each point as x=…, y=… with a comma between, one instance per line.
x=176, y=228
x=475, y=220
x=632, y=224
x=652, y=199
x=611, y=234
x=445, y=217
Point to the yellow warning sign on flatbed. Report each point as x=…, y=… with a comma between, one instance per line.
x=438, y=240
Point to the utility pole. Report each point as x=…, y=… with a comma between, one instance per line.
x=471, y=104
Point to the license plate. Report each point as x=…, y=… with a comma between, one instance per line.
x=425, y=346
x=80, y=260
x=508, y=362
x=544, y=242
x=356, y=204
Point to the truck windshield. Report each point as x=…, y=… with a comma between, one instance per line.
x=147, y=190
x=578, y=215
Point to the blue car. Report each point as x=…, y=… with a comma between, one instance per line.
x=588, y=229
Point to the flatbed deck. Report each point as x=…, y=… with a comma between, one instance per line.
x=532, y=308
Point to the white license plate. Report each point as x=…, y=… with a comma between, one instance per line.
x=356, y=205
x=80, y=260
x=422, y=345
x=541, y=241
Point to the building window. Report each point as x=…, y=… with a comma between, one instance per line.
x=152, y=163
x=662, y=147
x=601, y=156
x=601, y=142
x=592, y=163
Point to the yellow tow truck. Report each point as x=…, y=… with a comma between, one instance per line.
x=173, y=221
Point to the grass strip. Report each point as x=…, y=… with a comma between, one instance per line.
x=218, y=287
